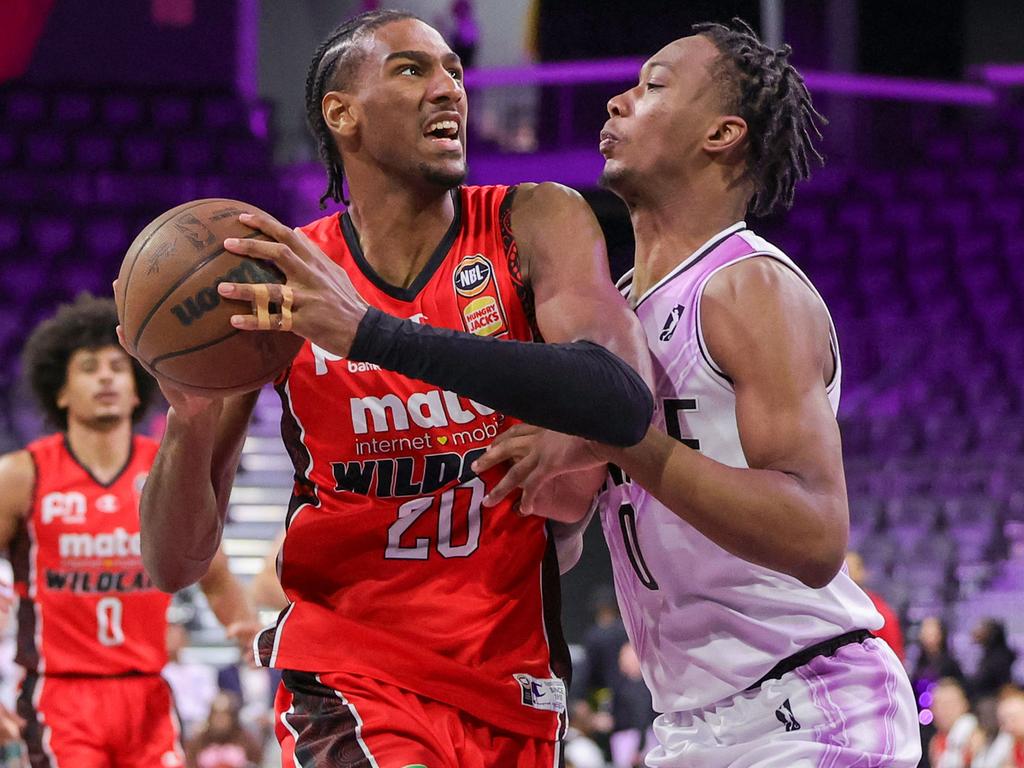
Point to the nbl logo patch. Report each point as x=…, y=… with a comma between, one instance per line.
x=478, y=297
x=472, y=276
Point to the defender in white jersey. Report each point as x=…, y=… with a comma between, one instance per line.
x=728, y=524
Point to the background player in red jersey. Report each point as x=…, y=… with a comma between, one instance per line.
x=91, y=625
x=419, y=630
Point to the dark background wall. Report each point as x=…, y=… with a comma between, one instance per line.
x=117, y=42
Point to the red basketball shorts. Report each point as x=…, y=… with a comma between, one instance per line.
x=100, y=722
x=347, y=721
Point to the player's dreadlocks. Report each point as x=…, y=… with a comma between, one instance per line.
x=771, y=96
x=88, y=323
x=334, y=62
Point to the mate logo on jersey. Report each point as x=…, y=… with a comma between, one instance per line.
x=478, y=297
x=436, y=408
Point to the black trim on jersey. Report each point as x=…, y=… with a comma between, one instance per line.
x=833, y=342
x=515, y=267
x=20, y=552
x=115, y=478
x=34, y=731
x=707, y=357
x=551, y=599
x=694, y=261
x=304, y=490
x=348, y=231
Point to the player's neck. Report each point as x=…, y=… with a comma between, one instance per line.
x=104, y=451
x=400, y=228
x=669, y=227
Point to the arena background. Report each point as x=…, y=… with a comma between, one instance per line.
x=112, y=111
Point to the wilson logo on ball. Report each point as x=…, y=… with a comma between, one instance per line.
x=207, y=298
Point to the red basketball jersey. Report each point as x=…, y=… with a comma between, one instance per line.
x=87, y=607
x=393, y=568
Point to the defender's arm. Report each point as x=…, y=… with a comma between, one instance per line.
x=788, y=511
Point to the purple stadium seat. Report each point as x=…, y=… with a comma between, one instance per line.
x=30, y=275
x=106, y=238
x=244, y=156
x=193, y=154
x=947, y=148
x=95, y=151
x=73, y=109
x=9, y=149
x=926, y=182
x=25, y=108
x=51, y=235
x=10, y=232
x=223, y=114
x=121, y=111
x=989, y=148
x=46, y=150
x=172, y=112
x=142, y=153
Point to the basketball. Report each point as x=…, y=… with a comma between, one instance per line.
x=174, y=320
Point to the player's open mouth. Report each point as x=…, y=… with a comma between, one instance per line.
x=444, y=133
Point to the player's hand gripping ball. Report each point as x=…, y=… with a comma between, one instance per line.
x=176, y=322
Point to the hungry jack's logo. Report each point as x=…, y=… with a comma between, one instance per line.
x=479, y=299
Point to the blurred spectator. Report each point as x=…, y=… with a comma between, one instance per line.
x=603, y=640
x=581, y=752
x=1011, y=721
x=265, y=589
x=934, y=659
x=632, y=712
x=954, y=726
x=996, y=664
x=990, y=747
x=193, y=685
x=890, y=631
x=223, y=742
x=254, y=688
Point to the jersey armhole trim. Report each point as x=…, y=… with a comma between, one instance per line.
x=709, y=363
x=34, y=500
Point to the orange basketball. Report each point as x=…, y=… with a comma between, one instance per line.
x=174, y=320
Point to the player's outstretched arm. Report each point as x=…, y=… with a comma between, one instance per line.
x=229, y=602
x=788, y=511
x=578, y=386
x=17, y=478
x=265, y=588
x=185, y=500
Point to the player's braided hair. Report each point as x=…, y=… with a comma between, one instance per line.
x=769, y=94
x=334, y=62
x=87, y=323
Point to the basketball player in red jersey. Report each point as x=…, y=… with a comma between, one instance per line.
x=422, y=628
x=91, y=624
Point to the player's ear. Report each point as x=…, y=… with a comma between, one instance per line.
x=62, y=397
x=341, y=113
x=726, y=133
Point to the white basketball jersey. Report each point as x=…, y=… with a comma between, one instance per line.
x=706, y=623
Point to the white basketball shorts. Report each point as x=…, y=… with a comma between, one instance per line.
x=854, y=708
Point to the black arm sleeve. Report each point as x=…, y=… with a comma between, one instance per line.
x=579, y=388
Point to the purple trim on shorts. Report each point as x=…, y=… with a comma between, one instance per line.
x=890, y=691
x=832, y=728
